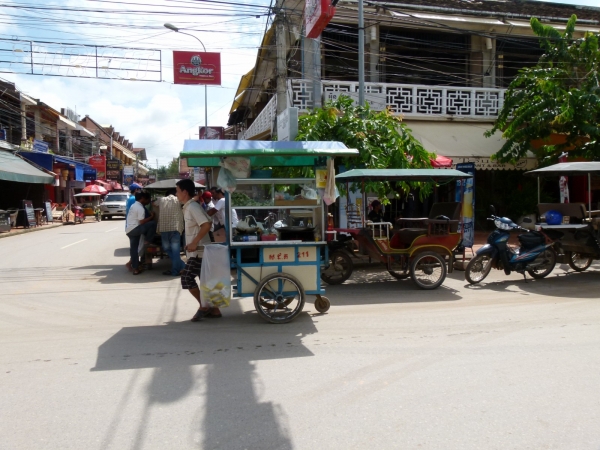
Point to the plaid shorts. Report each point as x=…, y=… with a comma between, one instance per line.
x=190, y=272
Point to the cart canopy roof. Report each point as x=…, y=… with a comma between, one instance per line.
x=568, y=168
x=435, y=175
x=169, y=184
x=207, y=152
x=88, y=194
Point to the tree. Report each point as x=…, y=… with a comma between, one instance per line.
x=560, y=95
x=381, y=138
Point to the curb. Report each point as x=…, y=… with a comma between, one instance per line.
x=30, y=230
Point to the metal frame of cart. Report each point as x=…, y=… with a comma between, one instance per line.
x=285, y=271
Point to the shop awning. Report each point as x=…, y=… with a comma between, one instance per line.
x=13, y=168
x=464, y=143
x=208, y=152
x=47, y=161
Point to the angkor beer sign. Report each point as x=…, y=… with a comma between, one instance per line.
x=196, y=68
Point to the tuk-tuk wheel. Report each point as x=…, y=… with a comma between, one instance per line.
x=579, y=262
x=428, y=270
x=322, y=304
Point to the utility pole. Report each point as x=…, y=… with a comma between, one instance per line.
x=361, y=54
x=281, y=40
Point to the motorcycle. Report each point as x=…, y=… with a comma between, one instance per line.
x=535, y=256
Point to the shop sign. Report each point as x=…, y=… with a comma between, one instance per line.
x=287, y=124
x=89, y=174
x=213, y=133
x=196, y=68
x=127, y=175
x=486, y=163
x=98, y=162
x=40, y=146
x=200, y=175
x=151, y=177
x=317, y=14
x=113, y=170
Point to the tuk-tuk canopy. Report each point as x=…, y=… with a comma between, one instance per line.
x=207, y=152
x=567, y=168
x=434, y=175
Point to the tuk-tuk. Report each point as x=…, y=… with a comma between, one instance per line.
x=89, y=202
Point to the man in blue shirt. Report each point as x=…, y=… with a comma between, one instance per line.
x=133, y=189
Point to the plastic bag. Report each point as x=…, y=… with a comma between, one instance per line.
x=309, y=193
x=215, y=276
x=226, y=180
x=237, y=165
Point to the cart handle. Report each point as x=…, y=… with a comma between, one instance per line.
x=379, y=226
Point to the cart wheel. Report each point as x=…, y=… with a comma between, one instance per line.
x=579, y=262
x=322, y=304
x=428, y=270
x=340, y=268
x=402, y=271
x=279, y=298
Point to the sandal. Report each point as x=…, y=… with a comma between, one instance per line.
x=200, y=314
x=136, y=271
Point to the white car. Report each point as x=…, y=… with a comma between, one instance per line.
x=114, y=205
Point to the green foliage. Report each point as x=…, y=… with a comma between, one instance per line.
x=382, y=140
x=560, y=95
x=170, y=171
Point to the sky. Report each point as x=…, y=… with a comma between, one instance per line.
x=156, y=115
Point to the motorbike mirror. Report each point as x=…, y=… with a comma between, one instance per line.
x=492, y=210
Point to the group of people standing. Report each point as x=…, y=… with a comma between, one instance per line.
x=182, y=210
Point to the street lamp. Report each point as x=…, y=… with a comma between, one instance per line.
x=172, y=27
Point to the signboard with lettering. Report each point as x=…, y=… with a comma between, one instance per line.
x=465, y=191
x=48, y=207
x=279, y=255
x=29, y=214
x=317, y=14
x=213, y=133
x=196, y=68
x=287, y=124
x=98, y=162
x=486, y=163
x=40, y=146
x=113, y=170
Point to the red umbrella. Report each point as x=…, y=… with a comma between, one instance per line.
x=441, y=161
x=95, y=189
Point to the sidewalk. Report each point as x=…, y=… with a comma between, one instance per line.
x=22, y=230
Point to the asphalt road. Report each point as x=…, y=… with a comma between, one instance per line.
x=93, y=357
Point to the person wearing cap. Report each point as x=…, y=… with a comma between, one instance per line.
x=376, y=214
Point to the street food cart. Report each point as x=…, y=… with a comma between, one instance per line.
x=421, y=248
x=579, y=233
x=278, y=246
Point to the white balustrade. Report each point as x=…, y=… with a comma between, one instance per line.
x=263, y=122
x=417, y=101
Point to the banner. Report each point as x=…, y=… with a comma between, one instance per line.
x=213, y=133
x=317, y=14
x=98, y=162
x=127, y=175
x=196, y=68
x=465, y=191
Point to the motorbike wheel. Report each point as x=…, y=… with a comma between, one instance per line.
x=478, y=268
x=428, y=270
x=578, y=262
x=542, y=272
x=340, y=268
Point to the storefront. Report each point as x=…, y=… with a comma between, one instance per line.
x=72, y=174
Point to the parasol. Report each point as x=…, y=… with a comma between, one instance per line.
x=95, y=188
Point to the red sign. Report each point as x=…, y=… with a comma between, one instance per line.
x=196, y=68
x=98, y=162
x=317, y=14
x=213, y=133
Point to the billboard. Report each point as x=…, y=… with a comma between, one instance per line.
x=113, y=170
x=196, y=68
x=98, y=162
x=317, y=14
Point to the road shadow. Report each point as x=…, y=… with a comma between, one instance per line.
x=562, y=282
x=122, y=252
x=374, y=285
x=118, y=273
x=229, y=413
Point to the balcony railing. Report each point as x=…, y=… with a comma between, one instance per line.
x=411, y=100
x=263, y=122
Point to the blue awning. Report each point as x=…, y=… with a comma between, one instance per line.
x=47, y=160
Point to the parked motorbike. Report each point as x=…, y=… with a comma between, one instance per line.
x=535, y=255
